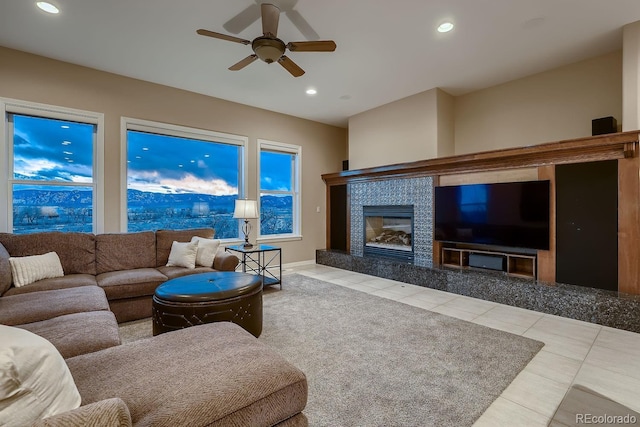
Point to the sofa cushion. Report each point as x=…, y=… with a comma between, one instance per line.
x=28, y=269
x=165, y=238
x=125, y=251
x=35, y=382
x=77, y=251
x=212, y=374
x=130, y=283
x=207, y=249
x=173, y=272
x=43, y=305
x=64, y=282
x=5, y=270
x=78, y=333
x=183, y=254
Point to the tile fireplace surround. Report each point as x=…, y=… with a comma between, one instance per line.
x=576, y=302
x=394, y=192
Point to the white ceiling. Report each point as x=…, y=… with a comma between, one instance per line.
x=387, y=50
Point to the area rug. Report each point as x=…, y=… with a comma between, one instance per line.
x=371, y=361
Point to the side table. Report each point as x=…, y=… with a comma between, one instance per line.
x=263, y=260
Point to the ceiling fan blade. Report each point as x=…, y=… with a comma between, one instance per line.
x=222, y=36
x=243, y=19
x=313, y=46
x=290, y=66
x=243, y=63
x=270, y=18
x=301, y=24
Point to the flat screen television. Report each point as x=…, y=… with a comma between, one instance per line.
x=511, y=214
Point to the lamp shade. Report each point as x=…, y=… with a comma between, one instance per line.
x=246, y=209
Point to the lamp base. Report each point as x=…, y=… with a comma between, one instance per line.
x=246, y=229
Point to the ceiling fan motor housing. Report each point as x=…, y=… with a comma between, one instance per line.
x=268, y=49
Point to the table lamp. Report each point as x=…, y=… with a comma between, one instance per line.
x=246, y=209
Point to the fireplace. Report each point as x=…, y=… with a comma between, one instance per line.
x=388, y=232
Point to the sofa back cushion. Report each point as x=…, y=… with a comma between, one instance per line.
x=125, y=251
x=5, y=270
x=165, y=238
x=77, y=251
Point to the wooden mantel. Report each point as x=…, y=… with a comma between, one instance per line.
x=623, y=146
x=603, y=147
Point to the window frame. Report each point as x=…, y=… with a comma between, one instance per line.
x=10, y=106
x=140, y=125
x=296, y=192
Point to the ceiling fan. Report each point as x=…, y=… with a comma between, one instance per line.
x=268, y=47
x=252, y=13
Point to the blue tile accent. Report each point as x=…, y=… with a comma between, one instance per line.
x=402, y=191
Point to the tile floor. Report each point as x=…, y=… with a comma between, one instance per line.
x=604, y=359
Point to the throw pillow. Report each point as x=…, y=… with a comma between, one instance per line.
x=183, y=254
x=207, y=249
x=29, y=269
x=35, y=381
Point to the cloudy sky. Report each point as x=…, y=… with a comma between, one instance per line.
x=46, y=149
x=52, y=150
x=166, y=164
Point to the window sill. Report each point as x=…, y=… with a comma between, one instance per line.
x=280, y=238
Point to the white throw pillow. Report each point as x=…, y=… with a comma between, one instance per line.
x=35, y=381
x=183, y=254
x=29, y=269
x=207, y=249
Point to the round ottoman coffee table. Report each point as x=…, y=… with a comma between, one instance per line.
x=224, y=296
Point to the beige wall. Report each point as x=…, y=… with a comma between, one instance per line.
x=550, y=106
x=446, y=124
x=36, y=79
x=546, y=107
x=402, y=131
x=631, y=77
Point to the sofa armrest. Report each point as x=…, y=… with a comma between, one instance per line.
x=104, y=413
x=5, y=270
x=225, y=261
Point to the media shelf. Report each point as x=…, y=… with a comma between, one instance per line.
x=514, y=264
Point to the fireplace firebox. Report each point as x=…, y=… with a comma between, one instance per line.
x=388, y=232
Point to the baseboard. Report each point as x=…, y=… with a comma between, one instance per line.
x=298, y=264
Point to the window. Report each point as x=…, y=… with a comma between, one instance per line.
x=279, y=172
x=52, y=180
x=178, y=177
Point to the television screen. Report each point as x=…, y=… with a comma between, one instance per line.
x=514, y=214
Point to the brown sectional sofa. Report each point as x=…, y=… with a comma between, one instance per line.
x=210, y=375
x=127, y=266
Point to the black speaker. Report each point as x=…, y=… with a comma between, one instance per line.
x=491, y=262
x=345, y=165
x=604, y=125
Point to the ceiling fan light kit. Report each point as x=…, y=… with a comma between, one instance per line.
x=268, y=47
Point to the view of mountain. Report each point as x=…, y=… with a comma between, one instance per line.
x=45, y=209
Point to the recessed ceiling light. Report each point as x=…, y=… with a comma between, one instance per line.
x=311, y=91
x=445, y=27
x=47, y=7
